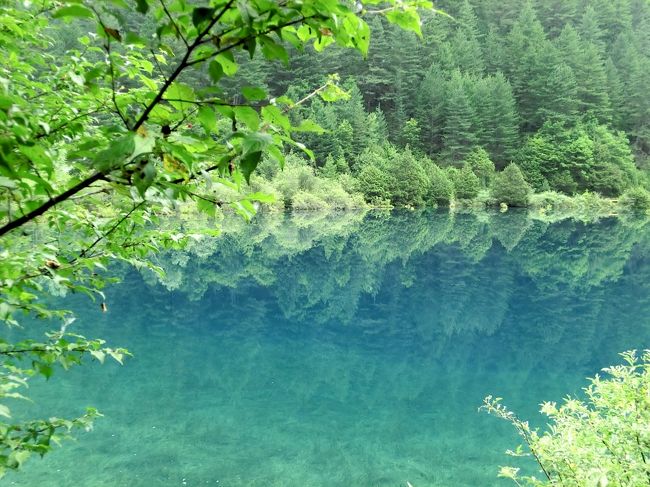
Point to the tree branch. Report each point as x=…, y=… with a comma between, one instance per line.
x=181, y=66
x=50, y=203
x=171, y=19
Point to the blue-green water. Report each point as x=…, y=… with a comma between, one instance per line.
x=346, y=351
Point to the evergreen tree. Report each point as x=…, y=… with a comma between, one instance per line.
x=459, y=129
x=432, y=103
x=615, y=91
x=529, y=55
x=479, y=162
x=614, y=17
x=464, y=49
x=510, y=187
x=555, y=14
x=560, y=96
x=590, y=29
x=494, y=51
x=441, y=189
x=466, y=184
x=589, y=70
x=500, y=123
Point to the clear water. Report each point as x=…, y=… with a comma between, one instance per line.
x=346, y=351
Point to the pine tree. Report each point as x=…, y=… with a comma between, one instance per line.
x=555, y=14
x=614, y=17
x=459, y=130
x=464, y=46
x=501, y=122
x=615, y=91
x=560, y=96
x=479, y=162
x=529, y=55
x=510, y=187
x=589, y=70
x=494, y=51
x=590, y=29
x=432, y=101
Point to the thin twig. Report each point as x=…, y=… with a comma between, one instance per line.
x=114, y=94
x=83, y=253
x=171, y=19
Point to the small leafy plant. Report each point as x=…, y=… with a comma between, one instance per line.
x=603, y=440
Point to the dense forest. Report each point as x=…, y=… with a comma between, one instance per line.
x=557, y=87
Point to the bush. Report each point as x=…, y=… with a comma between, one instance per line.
x=510, y=187
x=599, y=441
x=389, y=174
x=296, y=176
x=466, y=184
x=636, y=199
x=550, y=200
x=303, y=200
x=441, y=189
x=479, y=162
x=373, y=183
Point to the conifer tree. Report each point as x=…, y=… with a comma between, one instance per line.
x=529, y=55
x=510, y=187
x=501, y=122
x=432, y=101
x=459, y=129
x=560, y=96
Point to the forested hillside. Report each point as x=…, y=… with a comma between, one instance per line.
x=559, y=87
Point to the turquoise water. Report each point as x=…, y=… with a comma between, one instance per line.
x=346, y=350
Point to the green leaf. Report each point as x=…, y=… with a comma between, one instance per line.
x=135, y=40
x=4, y=411
x=182, y=96
x=261, y=197
x=274, y=116
x=227, y=61
x=74, y=11
x=142, y=6
x=206, y=207
x=253, y=93
x=116, y=153
x=333, y=92
x=208, y=119
x=407, y=19
x=273, y=50
x=215, y=70
x=144, y=176
x=308, y=126
x=248, y=116
x=202, y=14
x=248, y=163
x=99, y=355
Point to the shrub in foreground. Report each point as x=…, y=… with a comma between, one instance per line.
x=466, y=184
x=510, y=187
x=603, y=440
x=636, y=199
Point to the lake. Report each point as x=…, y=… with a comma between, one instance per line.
x=346, y=350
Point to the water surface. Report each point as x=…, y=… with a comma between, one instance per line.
x=313, y=350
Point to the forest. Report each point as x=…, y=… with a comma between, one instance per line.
x=557, y=89
x=132, y=131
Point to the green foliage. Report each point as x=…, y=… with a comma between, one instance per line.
x=390, y=174
x=479, y=161
x=441, y=189
x=510, y=187
x=466, y=183
x=586, y=157
x=160, y=108
x=636, y=198
x=601, y=440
